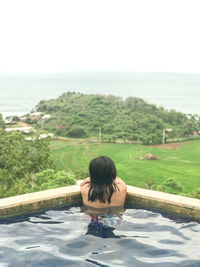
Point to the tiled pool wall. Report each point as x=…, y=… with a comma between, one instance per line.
x=66, y=196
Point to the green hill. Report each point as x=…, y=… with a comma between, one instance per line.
x=78, y=115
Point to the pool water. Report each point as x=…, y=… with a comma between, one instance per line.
x=64, y=237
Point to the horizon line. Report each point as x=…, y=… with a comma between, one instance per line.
x=96, y=71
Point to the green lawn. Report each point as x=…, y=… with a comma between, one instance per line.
x=182, y=164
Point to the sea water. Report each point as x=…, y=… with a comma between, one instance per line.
x=20, y=93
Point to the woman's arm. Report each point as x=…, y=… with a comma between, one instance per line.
x=86, y=181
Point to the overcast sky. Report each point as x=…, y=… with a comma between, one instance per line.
x=65, y=35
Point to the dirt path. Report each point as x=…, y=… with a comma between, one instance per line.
x=22, y=124
x=174, y=146
x=62, y=160
x=74, y=162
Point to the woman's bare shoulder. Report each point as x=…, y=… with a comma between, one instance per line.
x=119, y=182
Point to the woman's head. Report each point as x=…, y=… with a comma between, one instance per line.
x=102, y=175
x=102, y=170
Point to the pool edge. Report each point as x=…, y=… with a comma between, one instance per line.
x=169, y=203
x=66, y=196
x=39, y=201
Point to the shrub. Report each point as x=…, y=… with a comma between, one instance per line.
x=170, y=186
x=81, y=173
x=150, y=184
x=195, y=193
x=77, y=132
x=49, y=178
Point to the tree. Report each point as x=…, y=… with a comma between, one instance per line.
x=188, y=128
x=77, y=132
x=20, y=158
x=15, y=118
x=2, y=124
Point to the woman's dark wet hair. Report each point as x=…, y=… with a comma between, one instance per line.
x=102, y=179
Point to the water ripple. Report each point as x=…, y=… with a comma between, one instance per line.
x=61, y=237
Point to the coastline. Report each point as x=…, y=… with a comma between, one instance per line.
x=20, y=94
x=7, y=114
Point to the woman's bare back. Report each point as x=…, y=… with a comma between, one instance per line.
x=117, y=199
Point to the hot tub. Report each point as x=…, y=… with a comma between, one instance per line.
x=64, y=237
x=48, y=229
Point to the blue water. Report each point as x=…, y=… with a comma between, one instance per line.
x=19, y=94
x=61, y=237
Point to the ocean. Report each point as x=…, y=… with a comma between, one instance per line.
x=20, y=93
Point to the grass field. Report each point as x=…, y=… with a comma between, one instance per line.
x=181, y=161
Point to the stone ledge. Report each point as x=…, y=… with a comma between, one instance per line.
x=38, y=201
x=169, y=203
x=65, y=196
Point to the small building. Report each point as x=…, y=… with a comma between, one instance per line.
x=9, y=121
x=46, y=116
x=30, y=138
x=51, y=134
x=23, y=118
x=22, y=129
x=35, y=115
x=26, y=132
x=42, y=136
x=195, y=133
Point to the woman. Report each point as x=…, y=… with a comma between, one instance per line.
x=103, y=191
